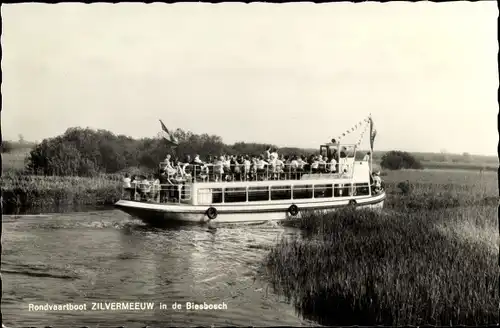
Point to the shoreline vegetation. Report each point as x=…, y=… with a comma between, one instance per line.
x=40, y=194
x=429, y=258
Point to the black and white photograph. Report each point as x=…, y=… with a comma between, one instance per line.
x=249, y=164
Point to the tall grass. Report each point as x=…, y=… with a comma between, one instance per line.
x=429, y=259
x=22, y=192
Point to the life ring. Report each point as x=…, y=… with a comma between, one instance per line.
x=188, y=169
x=212, y=213
x=293, y=210
x=352, y=202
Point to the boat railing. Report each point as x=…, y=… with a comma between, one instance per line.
x=158, y=193
x=240, y=172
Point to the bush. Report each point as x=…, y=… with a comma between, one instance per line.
x=396, y=160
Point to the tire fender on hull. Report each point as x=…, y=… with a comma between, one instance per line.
x=212, y=213
x=293, y=210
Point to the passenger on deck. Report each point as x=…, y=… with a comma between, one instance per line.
x=219, y=169
x=197, y=160
x=321, y=164
x=267, y=154
x=377, y=182
x=169, y=168
x=144, y=188
x=366, y=158
x=274, y=154
x=127, y=186
x=247, y=166
x=315, y=164
x=155, y=188
x=294, y=167
x=166, y=187
x=332, y=165
x=134, y=185
x=279, y=168
x=187, y=168
x=343, y=152
x=261, y=168
x=301, y=166
x=226, y=163
x=235, y=168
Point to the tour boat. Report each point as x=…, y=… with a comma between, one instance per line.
x=275, y=196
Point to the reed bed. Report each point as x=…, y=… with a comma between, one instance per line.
x=21, y=191
x=431, y=258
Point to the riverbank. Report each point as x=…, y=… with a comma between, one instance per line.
x=429, y=258
x=31, y=193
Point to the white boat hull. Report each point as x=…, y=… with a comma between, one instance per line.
x=160, y=214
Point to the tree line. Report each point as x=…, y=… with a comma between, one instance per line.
x=89, y=152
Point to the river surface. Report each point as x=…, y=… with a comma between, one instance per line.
x=106, y=256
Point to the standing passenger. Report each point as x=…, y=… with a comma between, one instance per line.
x=127, y=186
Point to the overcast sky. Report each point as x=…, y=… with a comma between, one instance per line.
x=290, y=74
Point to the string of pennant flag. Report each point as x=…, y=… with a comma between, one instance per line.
x=354, y=128
x=362, y=134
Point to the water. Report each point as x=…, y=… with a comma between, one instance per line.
x=106, y=256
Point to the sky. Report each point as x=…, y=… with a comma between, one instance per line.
x=293, y=74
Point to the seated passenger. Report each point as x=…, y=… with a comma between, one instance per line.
x=168, y=166
x=301, y=166
x=321, y=164
x=179, y=172
x=262, y=167
x=315, y=165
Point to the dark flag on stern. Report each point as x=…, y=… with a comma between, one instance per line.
x=169, y=138
x=373, y=134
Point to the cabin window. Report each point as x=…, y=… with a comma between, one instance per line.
x=234, y=195
x=362, y=189
x=281, y=192
x=323, y=191
x=302, y=191
x=216, y=195
x=343, y=190
x=260, y=193
x=204, y=196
